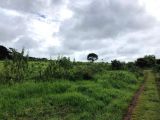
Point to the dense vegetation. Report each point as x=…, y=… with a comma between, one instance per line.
x=105, y=97
x=64, y=89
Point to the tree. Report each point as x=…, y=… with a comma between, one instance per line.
x=141, y=62
x=151, y=60
x=4, y=53
x=158, y=61
x=92, y=57
x=116, y=65
x=147, y=61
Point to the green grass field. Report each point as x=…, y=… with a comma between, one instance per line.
x=148, y=107
x=104, y=98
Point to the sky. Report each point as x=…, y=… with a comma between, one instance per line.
x=113, y=29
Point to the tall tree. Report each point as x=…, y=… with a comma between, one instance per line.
x=92, y=57
x=4, y=53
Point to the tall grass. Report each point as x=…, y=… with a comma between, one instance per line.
x=107, y=97
x=63, y=90
x=15, y=70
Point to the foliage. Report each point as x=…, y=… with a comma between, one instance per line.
x=63, y=68
x=147, y=61
x=15, y=70
x=151, y=60
x=92, y=57
x=117, y=65
x=157, y=68
x=81, y=73
x=4, y=53
x=64, y=62
x=105, y=98
x=158, y=61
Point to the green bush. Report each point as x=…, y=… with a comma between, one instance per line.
x=64, y=62
x=16, y=69
x=63, y=68
x=157, y=68
x=117, y=65
x=81, y=73
x=58, y=68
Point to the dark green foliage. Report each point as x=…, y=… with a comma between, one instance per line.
x=117, y=65
x=64, y=62
x=92, y=57
x=146, y=62
x=81, y=73
x=151, y=60
x=4, y=53
x=141, y=62
x=157, y=68
x=158, y=61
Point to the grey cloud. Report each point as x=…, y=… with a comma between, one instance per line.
x=21, y=5
x=26, y=42
x=15, y=30
x=105, y=19
x=59, y=50
x=33, y=7
x=128, y=50
x=97, y=25
x=111, y=28
x=11, y=27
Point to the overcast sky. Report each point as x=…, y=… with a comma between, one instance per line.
x=113, y=29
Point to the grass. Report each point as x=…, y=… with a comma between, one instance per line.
x=105, y=97
x=149, y=102
x=1, y=64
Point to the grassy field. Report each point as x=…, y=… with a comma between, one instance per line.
x=148, y=107
x=105, y=97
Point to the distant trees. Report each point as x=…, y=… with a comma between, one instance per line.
x=4, y=53
x=117, y=65
x=92, y=57
x=141, y=62
x=147, y=61
x=158, y=61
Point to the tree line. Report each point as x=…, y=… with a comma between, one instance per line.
x=148, y=61
x=6, y=53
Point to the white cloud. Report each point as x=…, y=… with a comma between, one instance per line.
x=119, y=29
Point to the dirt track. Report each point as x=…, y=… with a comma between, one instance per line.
x=134, y=101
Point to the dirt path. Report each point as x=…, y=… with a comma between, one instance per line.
x=145, y=104
x=134, y=101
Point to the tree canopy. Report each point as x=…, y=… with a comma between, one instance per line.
x=4, y=53
x=92, y=57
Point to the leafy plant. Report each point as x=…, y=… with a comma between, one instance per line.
x=15, y=70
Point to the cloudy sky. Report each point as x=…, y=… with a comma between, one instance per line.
x=114, y=29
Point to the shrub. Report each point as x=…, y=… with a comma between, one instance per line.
x=64, y=62
x=117, y=65
x=58, y=68
x=81, y=73
x=15, y=70
x=157, y=68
